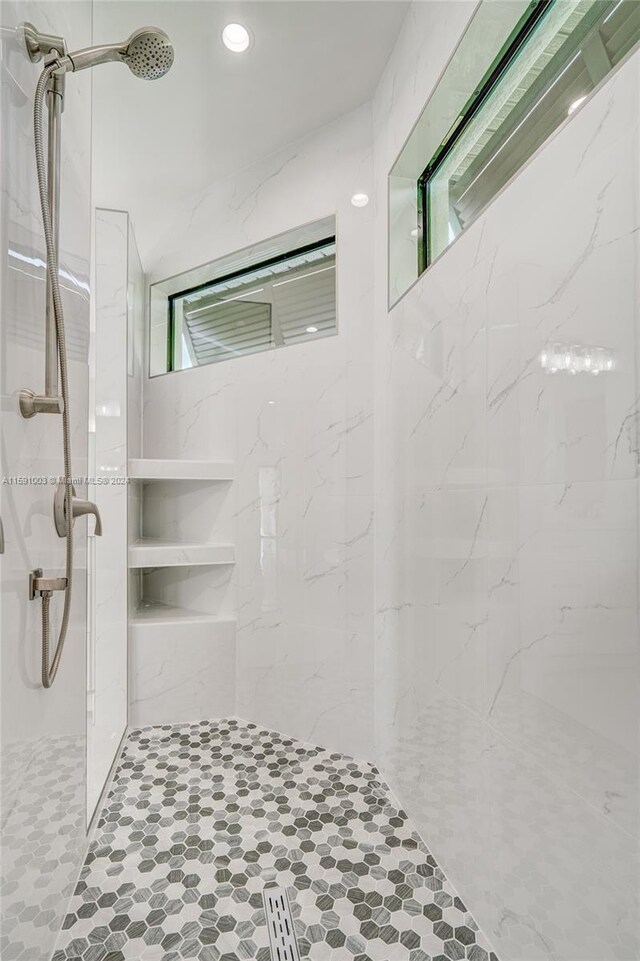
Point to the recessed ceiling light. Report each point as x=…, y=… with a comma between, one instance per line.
x=576, y=104
x=312, y=330
x=236, y=38
x=360, y=200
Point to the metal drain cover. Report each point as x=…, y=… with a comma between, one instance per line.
x=284, y=946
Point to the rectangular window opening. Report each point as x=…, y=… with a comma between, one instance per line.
x=289, y=298
x=559, y=51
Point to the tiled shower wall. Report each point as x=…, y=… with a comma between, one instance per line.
x=507, y=701
x=43, y=732
x=298, y=424
x=496, y=683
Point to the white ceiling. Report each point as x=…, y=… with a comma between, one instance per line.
x=215, y=111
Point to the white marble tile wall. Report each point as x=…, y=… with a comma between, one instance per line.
x=507, y=669
x=298, y=424
x=495, y=537
x=42, y=739
x=180, y=671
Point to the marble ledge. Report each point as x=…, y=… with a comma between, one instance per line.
x=143, y=468
x=157, y=552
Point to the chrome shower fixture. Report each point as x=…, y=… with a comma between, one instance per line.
x=148, y=53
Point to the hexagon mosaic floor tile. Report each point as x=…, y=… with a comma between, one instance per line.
x=201, y=817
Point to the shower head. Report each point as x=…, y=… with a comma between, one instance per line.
x=148, y=53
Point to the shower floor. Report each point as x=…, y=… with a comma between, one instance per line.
x=201, y=816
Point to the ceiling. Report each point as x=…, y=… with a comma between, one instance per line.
x=216, y=111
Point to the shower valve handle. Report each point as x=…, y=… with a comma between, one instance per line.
x=79, y=507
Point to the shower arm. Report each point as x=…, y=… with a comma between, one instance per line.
x=47, y=47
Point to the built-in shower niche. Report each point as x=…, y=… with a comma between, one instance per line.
x=182, y=590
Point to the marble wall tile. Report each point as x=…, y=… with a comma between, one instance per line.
x=200, y=589
x=181, y=671
x=440, y=345
x=308, y=678
x=298, y=423
x=563, y=624
x=506, y=567
x=569, y=286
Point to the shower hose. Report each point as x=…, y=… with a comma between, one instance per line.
x=50, y=667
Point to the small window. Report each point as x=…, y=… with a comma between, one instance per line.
x=288, y=299
x=557, y=54
x=277, y=292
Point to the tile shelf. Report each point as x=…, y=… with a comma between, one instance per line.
x=157, y=622
x=164, y=469
x=151, y=613
x=157, y=552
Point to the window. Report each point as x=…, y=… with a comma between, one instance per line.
x=287, y=300
x=278, y=292
x=557, y=54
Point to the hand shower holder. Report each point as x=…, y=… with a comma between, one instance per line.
x=32, y=403
x=39, y=585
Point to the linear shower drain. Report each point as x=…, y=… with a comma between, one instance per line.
x=284, y=946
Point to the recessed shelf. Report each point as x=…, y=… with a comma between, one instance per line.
x=156, y=552
x=150, y=613
x=144, y=468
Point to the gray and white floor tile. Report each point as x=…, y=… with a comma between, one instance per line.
x=201, y=817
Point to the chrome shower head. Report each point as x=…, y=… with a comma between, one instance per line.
x=148, y=53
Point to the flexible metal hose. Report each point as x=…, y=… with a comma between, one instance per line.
x=50, y=668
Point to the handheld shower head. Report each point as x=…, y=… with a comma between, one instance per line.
x=148, y=53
